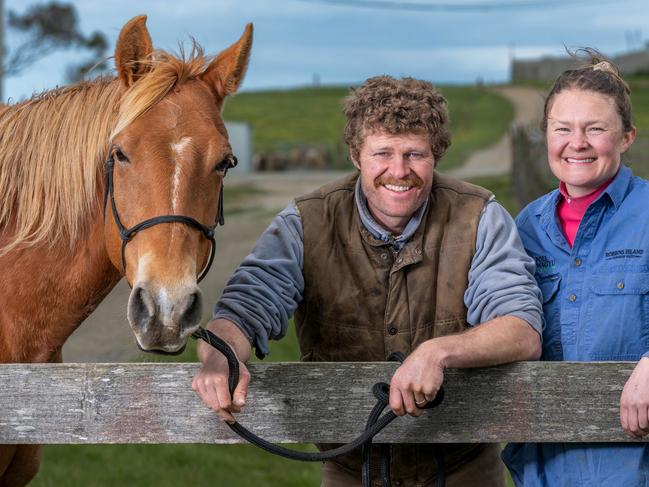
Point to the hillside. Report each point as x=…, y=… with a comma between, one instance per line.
x=313, y=116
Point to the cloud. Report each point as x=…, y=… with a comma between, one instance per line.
x=295, y=40
x=442, y=65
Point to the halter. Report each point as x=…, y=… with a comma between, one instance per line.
x=126, y=234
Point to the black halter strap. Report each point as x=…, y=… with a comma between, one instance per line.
x=126, y=234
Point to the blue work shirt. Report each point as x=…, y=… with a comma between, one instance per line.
x=596, y=306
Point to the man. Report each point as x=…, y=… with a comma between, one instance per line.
x=395, y=257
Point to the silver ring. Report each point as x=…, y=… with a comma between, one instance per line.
x=422, y=402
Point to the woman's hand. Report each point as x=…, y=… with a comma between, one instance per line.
x=634, y=402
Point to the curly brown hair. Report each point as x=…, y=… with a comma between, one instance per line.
x=396, y=106
x=598, y=75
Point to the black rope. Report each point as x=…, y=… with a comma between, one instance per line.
x=375, y=422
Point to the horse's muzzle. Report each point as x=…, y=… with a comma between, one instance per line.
x=164, y=319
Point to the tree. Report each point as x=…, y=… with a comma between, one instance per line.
x=46, y=28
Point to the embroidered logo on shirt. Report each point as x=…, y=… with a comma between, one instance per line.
x=543, y=263
x=624, y=254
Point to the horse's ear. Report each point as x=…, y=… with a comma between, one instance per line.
x=133, y=47
x=226, y=72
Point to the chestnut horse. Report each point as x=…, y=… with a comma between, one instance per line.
x=65, y=212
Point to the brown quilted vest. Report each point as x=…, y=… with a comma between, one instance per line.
x=363, y=301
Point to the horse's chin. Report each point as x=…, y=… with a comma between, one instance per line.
x=159, y=351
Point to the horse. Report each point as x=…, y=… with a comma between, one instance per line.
x=116, y=177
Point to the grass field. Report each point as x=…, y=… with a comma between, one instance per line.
x=313, y=116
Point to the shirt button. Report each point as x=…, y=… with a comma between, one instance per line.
x=572, y=297
x=392, y=330
x=577, y=262
x=620, y=285
x=384, y=256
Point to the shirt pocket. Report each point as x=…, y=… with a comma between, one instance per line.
x=618, y=316
x=550, y=285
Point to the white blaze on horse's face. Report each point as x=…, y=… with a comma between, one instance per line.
x=169, y=161
x=177, y=149
x=166, y=177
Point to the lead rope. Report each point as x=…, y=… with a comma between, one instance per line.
x=375, y=422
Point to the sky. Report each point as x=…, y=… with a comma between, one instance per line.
x=343, y=42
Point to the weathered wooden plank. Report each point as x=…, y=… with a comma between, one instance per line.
x=300, y=402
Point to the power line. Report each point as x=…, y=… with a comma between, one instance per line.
x=452, y=7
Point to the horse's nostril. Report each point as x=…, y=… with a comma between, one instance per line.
x=141, y=307
x=190, y=309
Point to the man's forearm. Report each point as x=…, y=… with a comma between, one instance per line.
x=501, y=340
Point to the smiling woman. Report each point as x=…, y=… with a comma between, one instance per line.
x=589, y=239
x=585, y=140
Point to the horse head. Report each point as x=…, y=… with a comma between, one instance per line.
x=168, y=155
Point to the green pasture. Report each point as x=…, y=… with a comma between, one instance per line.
x=640, y=102
x=300, y=116
x=313, y=116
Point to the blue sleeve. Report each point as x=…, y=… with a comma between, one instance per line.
x=268, y=285
x=501, y=277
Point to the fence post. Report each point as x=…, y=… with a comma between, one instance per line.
x=531, y=174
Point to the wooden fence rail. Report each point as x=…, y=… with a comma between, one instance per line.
x=301, y=402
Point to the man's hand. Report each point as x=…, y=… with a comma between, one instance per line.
x=416, y=381
x=500, y=340
x=211, y=385
x=211, y=382
x=634, y=403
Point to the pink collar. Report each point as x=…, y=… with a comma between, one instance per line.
x=572, y=210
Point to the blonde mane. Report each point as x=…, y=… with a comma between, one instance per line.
x=52, y=148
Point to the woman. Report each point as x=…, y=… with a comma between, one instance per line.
x=590, y=240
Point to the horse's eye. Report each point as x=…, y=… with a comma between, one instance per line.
x=228, y=162
x=119, y=156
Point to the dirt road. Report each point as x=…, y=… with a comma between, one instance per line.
x=497, y=159
x=106, y=337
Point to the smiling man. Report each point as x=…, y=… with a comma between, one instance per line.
x=393, y=258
